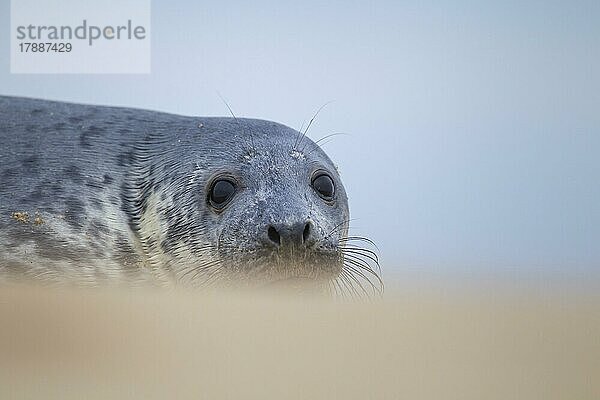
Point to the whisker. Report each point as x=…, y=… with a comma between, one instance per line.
x=321, y=142
x=311, y=122
x=341, y=224
x=352, y=290
x=360, y=239
x=370, y=254
x=375, y=288
x=362, y=264
x=344, y=290
x=351, y=248
x=379, y=280
x=351, y=276
x=332, y=288
x=298, y=135
x=335, y=286
x=341, y=289
x=227, y=105
x=360, y=260
x=329, y=136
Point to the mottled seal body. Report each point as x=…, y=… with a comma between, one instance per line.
x=90, y=194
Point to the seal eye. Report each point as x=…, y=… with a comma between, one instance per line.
x=323, y=184
x=222, y=191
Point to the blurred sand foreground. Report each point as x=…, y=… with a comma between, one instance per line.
x=102, y=344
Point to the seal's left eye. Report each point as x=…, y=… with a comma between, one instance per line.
x=323, y=184
x=221, y=193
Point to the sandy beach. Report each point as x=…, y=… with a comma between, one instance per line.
x=420, y=344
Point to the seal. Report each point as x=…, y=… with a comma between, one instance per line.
x=95, y=194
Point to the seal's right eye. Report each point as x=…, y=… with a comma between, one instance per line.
x=221, y=193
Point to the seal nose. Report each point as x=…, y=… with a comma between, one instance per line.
x=299, y=234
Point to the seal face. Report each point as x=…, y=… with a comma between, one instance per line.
x=239, y=201
x=92, y=193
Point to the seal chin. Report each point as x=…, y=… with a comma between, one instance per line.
x=309, y=264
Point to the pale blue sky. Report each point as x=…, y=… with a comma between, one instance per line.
x=474, y=129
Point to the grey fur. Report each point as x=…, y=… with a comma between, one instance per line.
x=93, y=194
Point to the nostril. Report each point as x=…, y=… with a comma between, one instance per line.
x=274, y=235
x=306, y=232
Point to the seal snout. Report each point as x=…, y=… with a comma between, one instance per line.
x=297, y=234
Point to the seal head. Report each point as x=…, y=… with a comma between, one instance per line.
x=261, y=204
